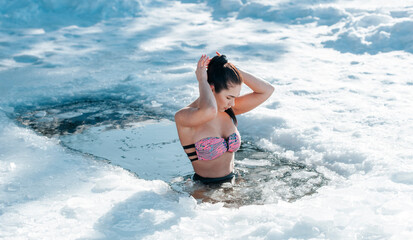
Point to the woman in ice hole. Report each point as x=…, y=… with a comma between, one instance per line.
x=207, y=127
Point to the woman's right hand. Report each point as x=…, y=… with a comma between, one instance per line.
x=201, y=69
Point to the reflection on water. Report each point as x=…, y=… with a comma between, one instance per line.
x=262, y=178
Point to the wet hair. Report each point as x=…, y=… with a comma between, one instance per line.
x=222, y=75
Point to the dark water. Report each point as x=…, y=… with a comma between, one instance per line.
x=76, y=116
x=263, y=177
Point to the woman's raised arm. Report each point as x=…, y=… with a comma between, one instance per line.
x=207, y=106
x=262, y=90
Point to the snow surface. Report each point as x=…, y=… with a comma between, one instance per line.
x=88, y=90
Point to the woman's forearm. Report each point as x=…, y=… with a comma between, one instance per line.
x=256, y=84
x=206, y=97
x=206, y=100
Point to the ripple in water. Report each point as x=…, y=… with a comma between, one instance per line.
x=263, y=178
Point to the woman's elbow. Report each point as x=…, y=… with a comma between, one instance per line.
x=270, y=89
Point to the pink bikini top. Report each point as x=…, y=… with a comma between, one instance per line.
x=212, y=147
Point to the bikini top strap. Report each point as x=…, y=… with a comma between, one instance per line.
x=189, y=146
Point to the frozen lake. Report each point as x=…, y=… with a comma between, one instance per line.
x=87, y=139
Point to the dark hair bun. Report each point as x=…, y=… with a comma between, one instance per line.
x=218, y=61
x=221, y=60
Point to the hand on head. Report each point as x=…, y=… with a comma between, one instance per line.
x=202, y=66
x=200, y=71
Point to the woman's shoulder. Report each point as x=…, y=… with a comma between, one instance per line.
x=190, y=106
x=193, y=116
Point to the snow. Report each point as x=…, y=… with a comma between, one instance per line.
x=87, y=140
